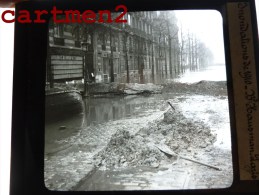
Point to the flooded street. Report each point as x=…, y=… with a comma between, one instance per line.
x=110, y=144
x=211, y=73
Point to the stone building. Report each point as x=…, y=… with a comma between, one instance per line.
x=143, y=50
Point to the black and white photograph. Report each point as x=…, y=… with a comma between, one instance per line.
x=141, y=105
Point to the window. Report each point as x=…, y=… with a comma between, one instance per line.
x=58, y=34
x=77, y=38
x=103, y=39
x=58, y=30
x=114, y=43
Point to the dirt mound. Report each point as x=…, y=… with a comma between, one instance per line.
x=201, y=87
x=181, y=135
x=108, y=88
x=185, y=134
x=123, y=88
x=126, y=150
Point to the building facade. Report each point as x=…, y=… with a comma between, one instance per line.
x=143, y=50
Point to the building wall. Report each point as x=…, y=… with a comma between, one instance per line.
x=135, y=43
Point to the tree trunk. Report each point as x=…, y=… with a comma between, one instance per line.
x=170, y=58
x=126, y=57
x=153, y=64
x=165, y=59
x=111, y=57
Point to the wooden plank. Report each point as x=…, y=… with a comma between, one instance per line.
x=168, y=151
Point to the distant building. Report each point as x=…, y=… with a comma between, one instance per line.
x=141, y=51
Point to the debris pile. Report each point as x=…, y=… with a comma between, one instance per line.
x=128, y=150
x=124, y=88
x=202, y=87
x=175, y=131
x=185, y=134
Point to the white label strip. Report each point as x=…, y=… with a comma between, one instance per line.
x=244, y=88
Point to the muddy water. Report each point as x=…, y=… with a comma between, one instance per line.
x=106, y=109
x=94, y=111
x=211, y=110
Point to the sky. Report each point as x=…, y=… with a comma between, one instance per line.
x=207, y=26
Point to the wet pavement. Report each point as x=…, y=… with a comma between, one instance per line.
x=174, y=175
x=137, y=178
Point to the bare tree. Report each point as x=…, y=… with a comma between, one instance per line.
x=182, y=51
x=166, y=30
x=198, y=56
x=205, y=56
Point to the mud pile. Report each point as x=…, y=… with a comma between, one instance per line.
x=175, y=131
x=106, y=88
x=186, y=134
x=202, y=87
x=126, y=150
x=123, y=88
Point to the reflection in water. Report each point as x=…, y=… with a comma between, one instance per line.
x=62, y=106
x=63, y=118
x=101, y=110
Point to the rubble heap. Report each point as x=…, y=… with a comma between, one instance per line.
x=215, y=88
x=173, y=130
